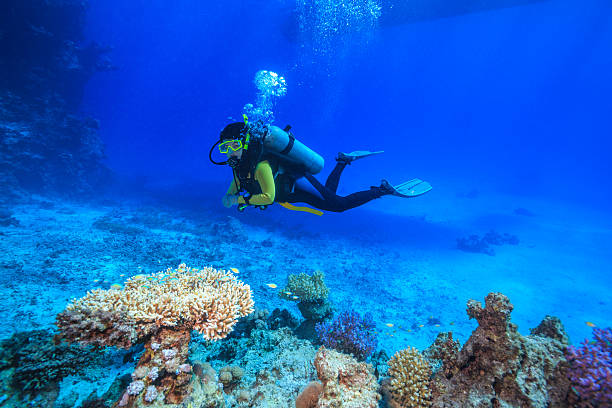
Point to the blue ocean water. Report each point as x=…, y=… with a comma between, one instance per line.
x=505, y=112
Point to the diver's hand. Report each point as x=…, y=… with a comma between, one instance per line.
x=229, y=200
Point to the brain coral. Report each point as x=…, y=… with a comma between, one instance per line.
x=160, y=310
x=409, y=385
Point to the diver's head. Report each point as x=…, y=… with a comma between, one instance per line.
x=232, y=141
x=236, y=130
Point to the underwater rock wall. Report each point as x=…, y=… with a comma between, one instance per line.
x=45, y=144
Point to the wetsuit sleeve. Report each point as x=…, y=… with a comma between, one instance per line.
x=263, y=174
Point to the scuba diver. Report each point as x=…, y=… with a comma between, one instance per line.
x=267, y=162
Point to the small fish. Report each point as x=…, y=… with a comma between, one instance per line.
x=287, y=292
x=590, y=324
x=115, y=286
x=296, y=297
x=437, y=325
x=138, y=276
x=235, y=270
x=122, y=275
x=421, y=325
x=389, y=324
x=271, y=285
x=96, y=280
x=452, y=323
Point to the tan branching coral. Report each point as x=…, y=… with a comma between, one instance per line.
x=206, y=300
x=409, y=379
x=160, y=310
x=305, y=288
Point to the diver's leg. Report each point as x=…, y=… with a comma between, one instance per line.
x=302, y=196
x=362, y=197
x=334, y=202
x=334, y=177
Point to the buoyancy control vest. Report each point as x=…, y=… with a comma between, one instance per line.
x=289, y=158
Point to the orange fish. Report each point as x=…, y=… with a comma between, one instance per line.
x=389, y=324
x=421, y=325
x=271, y=285
x=591, y=324
x=235, y=270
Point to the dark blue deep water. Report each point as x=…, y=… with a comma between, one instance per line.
x=505, y=111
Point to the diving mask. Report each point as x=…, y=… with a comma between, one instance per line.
x=233, y=145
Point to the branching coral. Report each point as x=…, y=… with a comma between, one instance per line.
x=349, y=333
x=409, y=384
x=161, y=310
x=305, y=288
x=591, y=370
x=206, y=300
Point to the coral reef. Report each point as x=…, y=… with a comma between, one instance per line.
x=307, y=288
x=347, y=383
x=311, y=294
x=591, y=370
x=161, y=310
x=309, y=397
x=474, y=243
x=499, y=367
x=408, y=383
x=442, y=354
x=37, y=365
x=230, y=376
x=205, y=388
x=276, y=366
x=349, y=333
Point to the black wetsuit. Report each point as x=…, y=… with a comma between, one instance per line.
x=329, y=200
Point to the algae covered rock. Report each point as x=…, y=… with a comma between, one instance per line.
x=347, y=383
x=498, y=367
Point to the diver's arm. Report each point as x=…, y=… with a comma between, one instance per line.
x=263, y=174
x=230, y=198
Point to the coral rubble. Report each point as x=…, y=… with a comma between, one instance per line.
x=498, y=367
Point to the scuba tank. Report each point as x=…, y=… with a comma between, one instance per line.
x=282, y=144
